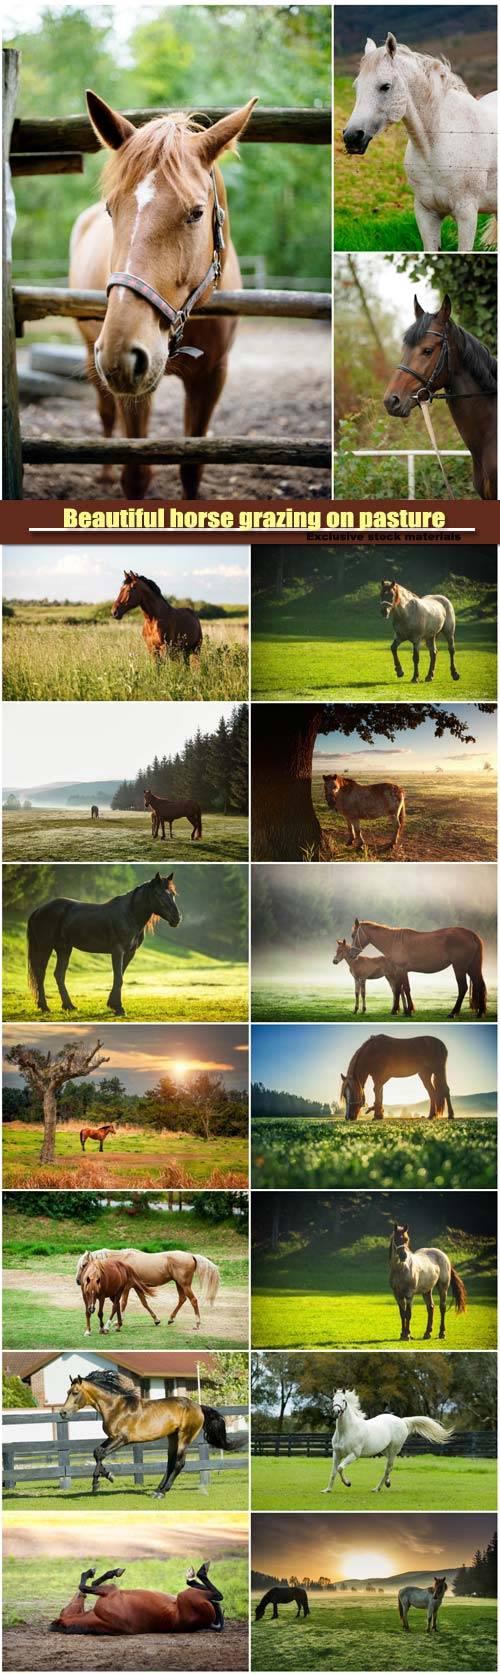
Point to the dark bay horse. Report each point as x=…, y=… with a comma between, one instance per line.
x=440, y=356
x=94, y=812
x=384, y=1056
x=96, y=1133
x=166, y=812
x=283, y=1595
x=127, y=1417
x=166, y=626
x=430, y=951
x=112, y=1281
x=138, y=1610
x=415, y=1273
x=116, y=927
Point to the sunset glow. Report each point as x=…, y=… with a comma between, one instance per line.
x=363, y=1565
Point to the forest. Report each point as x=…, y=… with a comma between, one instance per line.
x=212, y=768
x=295, y=1390
x=215, y=912
x=201, y=1106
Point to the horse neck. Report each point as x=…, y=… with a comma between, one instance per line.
x=97, y=1398
x=141, y=906
x=379, y=934
x=420, y=114
x=153, y=604
x=404, y=598
x=356, y=1067
x=462, y=382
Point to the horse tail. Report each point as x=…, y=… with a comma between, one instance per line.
x=400, y=1607
x=209, y=1277
x=199, y=832
x=458, y=1292
x=40, y=944
x=305, y=1605
x=401, y=816
x=137, y=1283
x=430, y=1428
x=489, y=235
x=214, y=1429
x=478, y=993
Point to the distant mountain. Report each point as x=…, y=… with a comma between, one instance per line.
x=65, y=792
x=260, y=1582
x=462, y=1105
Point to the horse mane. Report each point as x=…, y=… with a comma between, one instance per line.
x=428, y=63
x=475, y=356
x=153, y=585
x=354, y=1402
x=113, y=1384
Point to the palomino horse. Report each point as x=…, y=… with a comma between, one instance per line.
x=127, y=1417
x=420, y=621
x=166, y=627
x=157, y=246
x=358, y=1437
x=164, y=811
x=415, y=1273
x=116, y=927
x=430, y=951
x=112, y=1281
x=424, y=1598
x=96, y=1133
x=94, y=812
x=440, y=356
x=384, y=1056
x=180, y=1266
x=371, y=970
x=451, y=155
x=138, y=1610
x=283, y=1595
x=368, y=802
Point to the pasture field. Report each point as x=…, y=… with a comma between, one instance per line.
x=277, y=1002
x=311, y=1297
x=448, y=818
x=418, y=1483
x=65, y=652
x=228, y=1491
x=361, y=1632
x=132, y=1157
x=161, y=985
x=307, y=1153
x=70, y=834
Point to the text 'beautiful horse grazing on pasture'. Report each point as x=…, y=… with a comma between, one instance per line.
x=424, y=1598
x=441, y=357
x=166, y=627
x=369, y=802
x=415, y=1273
x=371, y=970
x=420, y=621
x=359, y=1437
x=451, y=156
x=157, y=246
x=430, y=951
x=384, y=1056
x=116, y=927
x=138, y=1610
x=112, y=1281
x=96, y=1133
x=164, y=811
x=180, y=1266
x=127, y=1417
x=283, y=1595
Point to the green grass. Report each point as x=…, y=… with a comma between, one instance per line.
x=307, y=1153
x=364, y=1633
x=60, y=654
x=67, y=834
x=132, y=1157
x=277, y=1003
x=228, y=1491
x=161, y=985
x=418, y=1483
x=35, y=1589
x=448, y=817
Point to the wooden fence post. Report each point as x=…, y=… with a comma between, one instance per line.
x=63, y=1459
x=12, y=455
x=204, y=1453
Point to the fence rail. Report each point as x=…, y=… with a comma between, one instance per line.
x=299, y=125
x=410, y=454
x=317, y=1444
x=62, y=1459
x=35, y=302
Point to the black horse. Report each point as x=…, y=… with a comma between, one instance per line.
x=94, y=812
x=283, y=1595
x=116, y=927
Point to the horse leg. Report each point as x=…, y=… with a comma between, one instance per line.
x=357, y=991
x=135, y=476
x=406, y=991
x=168, y=1476
x=359, y=839
x=466, y=225
x=100, y=1453
x=62, y=962
x=348, y=1460
x=333, y=1472
x=430, y=1089
x=443, y=1292
x=462, y=990
x=429, y=1303
x=429, y=225
x=378, y=1108
x=200, y=399
x=143, y=1298
x=181, y=1299
x=363, y=995
x=415, y=676
x=385, y=1480
x=106, y=406
x=432, y=649
x=395, y=650
x=350, y=833
x=449, y=1106
x=194, y=1304
x=451, y=647
x=114, y=1000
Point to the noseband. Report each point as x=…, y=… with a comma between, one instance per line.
x=428, y=386
x=178, y=317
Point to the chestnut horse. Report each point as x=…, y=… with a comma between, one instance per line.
x=431, y=951
x=96, y=1133
x=138, y=1610
x=181, y=1266
x=112, y=1281
x=365, y=970
x=166, y=626
x=162, y=810
x=384, y=1056
x=440, y=356
x=158, y=247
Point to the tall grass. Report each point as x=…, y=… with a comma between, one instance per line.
x=103, y=662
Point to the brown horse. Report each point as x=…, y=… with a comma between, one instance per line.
x=365, y=970
x=96, y=1133
x=166, y=626
x=440, y=356
x=384, y=1056
x=138, y=1610
x=94, y=812
x=127, y=1418
x=367, y=802
x=112, y=1281
x=160, y=237
x=430, y=951
x=180, y=1266
x=162, y=810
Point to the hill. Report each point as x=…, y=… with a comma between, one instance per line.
x=66, y=792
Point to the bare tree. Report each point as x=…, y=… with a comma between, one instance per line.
x=46, y=1076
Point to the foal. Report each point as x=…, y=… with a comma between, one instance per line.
x=371, y=970
x=112, y=1280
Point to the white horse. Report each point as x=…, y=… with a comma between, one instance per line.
x=423, y=1598
x=420, y=621
x=450, y=159
x=358, y=1437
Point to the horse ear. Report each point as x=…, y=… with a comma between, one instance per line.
x=111, y=127
x=356, y=923
x=170, y=876
x=405, y=1227
x=222, y=136
x=446, y=306
x=418, y=310
x=391, y=45
x=370, y=46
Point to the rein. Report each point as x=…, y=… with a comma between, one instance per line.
x=178, y=317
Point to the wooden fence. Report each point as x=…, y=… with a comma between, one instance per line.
x=317, y=1444
x=62, y=1460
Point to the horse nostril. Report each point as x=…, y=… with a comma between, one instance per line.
x=391, y=402
x=140, y=360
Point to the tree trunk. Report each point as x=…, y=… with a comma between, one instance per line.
x=284, y=824
x=48, y=1151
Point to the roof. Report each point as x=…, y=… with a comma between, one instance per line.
x=168, y=1364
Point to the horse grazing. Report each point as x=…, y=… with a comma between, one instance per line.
x=177, y=1265
x=370, y=802
x=429, y=951
x=420, y=621
x=384, y=1056
x=116, y=927
x=96, y=1133
x=94, y=812
x=451, y=155
x=371, y=970
x=127, y=1418
x=359, y=1437
x=441, y=356
x=283, y=1595
x=162, y=810
x=166, y=627
x=415, y=1273
x=112, y=1281
x=158, y=248
x=424, y=1598
x=138, y=1610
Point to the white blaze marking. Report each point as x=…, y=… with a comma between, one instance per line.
x=144, y=194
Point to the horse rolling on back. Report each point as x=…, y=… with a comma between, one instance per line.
x=365, y=970
x=165, y=812
x=384, y=1056
x=416, y=1273
x=173, y=628
x=420, y=621
x=283, y=1595
x=138, y=1610
x=423, y=1598
x=370, y=802
x=100, y=1134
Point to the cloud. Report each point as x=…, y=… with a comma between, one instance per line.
x=244, y=1048
x=226, y=570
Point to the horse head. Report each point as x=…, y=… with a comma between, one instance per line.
x=90, y=1284
x=440, y=1586
x=359, y=937
x=400, y=1241
x=147, y=799
x=333, y=784
x=343, y=950
x=353, y=1094
x=426, y=364
x=339, y=1403
x=381, y=95
x=129, y=596
x=163, y=902
x=388, y=597
x=76, y=1397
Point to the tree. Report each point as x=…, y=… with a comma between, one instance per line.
x=274, y=1383
x=15, y=1393
x=46, y=1076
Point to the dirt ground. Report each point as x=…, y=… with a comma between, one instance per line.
x=24, y=1649
x=223, y=1320
x=278, y=385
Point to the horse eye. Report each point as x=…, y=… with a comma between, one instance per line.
x=195, y=214
x=427, y=351
x=384, y=86
x=107, y=208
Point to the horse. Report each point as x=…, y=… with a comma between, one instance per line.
x=139, y=1610
x=441, y=356
x=384, y=1056
x=415, y=1273
x=96, y=1133
x=158, y=248
x=166, y=627
x=424, y=1598
x=94, y=812
x=162, y=811
x=112, y=1281
x=128, y=1418
x=359, y=1437
x=283, y=1595
x=451, y=155
x=420, y=621
x=430, y=951
x=371, y=970
x=357, y=802
x=116, y=927
x=177, y=1265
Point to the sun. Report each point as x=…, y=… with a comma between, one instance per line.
x=364, y=1565
x=180, y=1067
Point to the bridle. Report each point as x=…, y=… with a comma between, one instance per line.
x=178, y=317
x=428, y=386
x=338, y=1411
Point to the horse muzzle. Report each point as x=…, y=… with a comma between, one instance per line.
x=356, y=141
x=398, y=406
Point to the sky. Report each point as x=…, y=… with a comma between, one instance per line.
x=90, y=576
x=309, y=1059
x=361, y=1545
x=49, y=742
x=140, y=1054
x=123, y=12
x=416, y=752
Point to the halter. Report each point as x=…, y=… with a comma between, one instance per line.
x=341, y=1410
x=178, y=317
